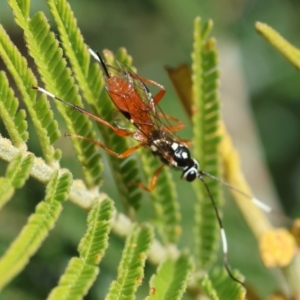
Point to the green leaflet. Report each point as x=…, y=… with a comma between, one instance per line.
x=219, y=286
x=94, y=243
x=58, y=187
x=75, y=282
x=19, y=169
x=46, y=129
x=81, y=272
x=89, y=79
x=171, y=279
x=14, y=121
x=17, y=173
x=36, y=229
x=24, y=7
x=206, y=140
x=130, y=271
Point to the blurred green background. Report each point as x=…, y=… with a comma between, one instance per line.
x=256, y=84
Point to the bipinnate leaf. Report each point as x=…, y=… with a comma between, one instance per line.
x=81, y=272
x=58, y=80
x=171, y=279
x=39, y=110
x=45, y=50
x=205, y=120
x=290, y=52
x=131, y=268
x=36, y=229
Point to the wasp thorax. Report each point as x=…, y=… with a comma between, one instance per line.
x=182, y=155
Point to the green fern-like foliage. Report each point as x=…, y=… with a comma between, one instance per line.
x=65, y=68
x=205, y=96
x=82, y=271
x=218, y=285
x=169, y=282
x=131, y=268
x=46, y=129
x=15, y=123
x=17, y=173
x=206, y=130
x=37, y=227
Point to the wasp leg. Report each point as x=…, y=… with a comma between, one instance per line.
x=118, y=131
x=152, y=182
x=122, y=155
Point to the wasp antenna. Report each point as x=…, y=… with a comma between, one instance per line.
x=61, y=100
x=99, y=58
x=103, y=65
x=263, y=206
x=44, y=91
x=222, y=233
x=94, y=54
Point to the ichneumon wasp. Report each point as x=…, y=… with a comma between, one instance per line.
x=152, y=129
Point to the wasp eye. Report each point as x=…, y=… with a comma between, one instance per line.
x=190, y=174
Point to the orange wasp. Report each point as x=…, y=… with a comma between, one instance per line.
x=133, y=99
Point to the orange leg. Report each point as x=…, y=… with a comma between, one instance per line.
x=160, y=94
x=176, y=127
x=122, y=155
x=188, y=143
x=118, y=131
x=152, y=182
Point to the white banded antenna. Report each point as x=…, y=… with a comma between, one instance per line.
x=94, y=54
x=263, y=206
